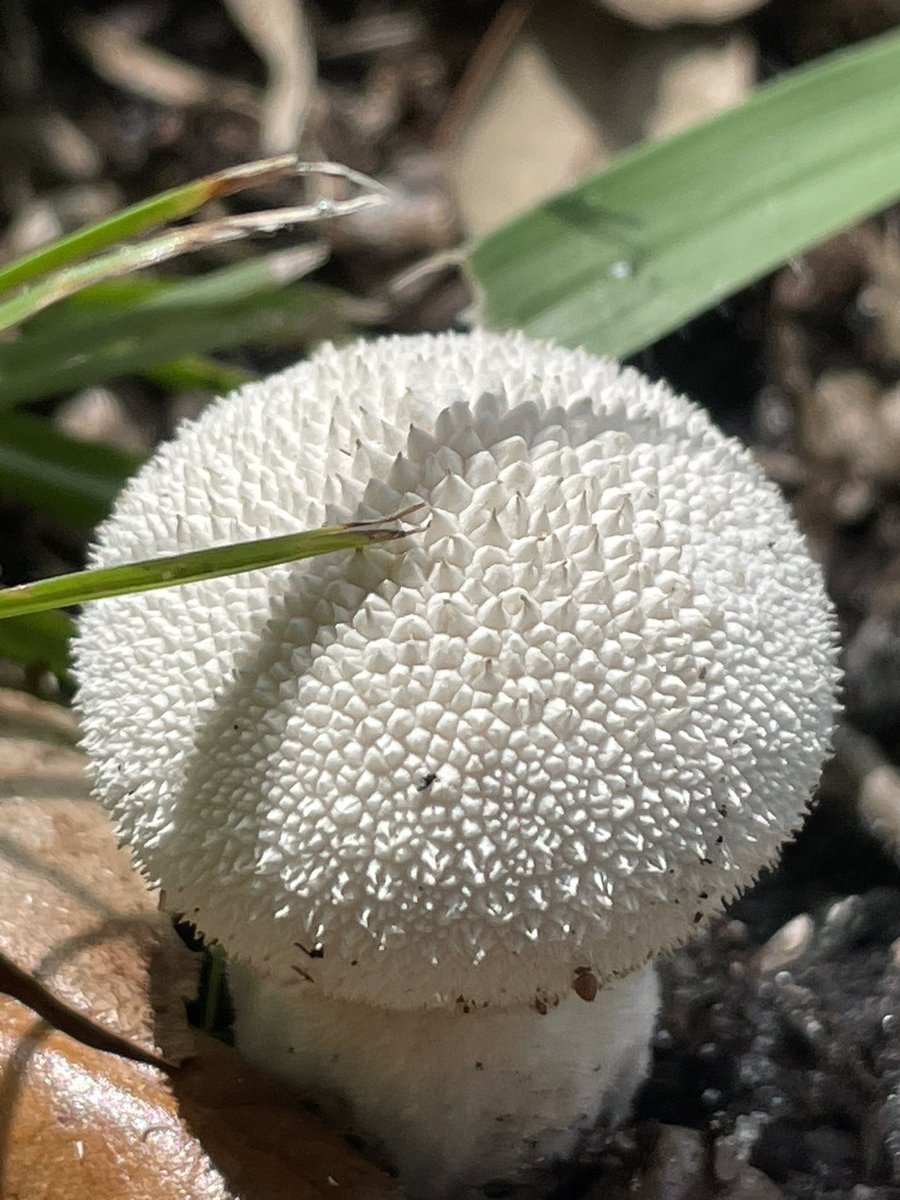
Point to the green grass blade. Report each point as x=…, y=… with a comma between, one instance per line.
x=83, y=586
x=196, y=372
x=121, y=261
x=170, y=206
x=672, y=228
x=71, y=480
x=167, y=206
x=122, y=330
x=214, y=984
x=126, y=260
x=38, y=641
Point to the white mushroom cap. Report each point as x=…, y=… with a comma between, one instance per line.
x=544, y=736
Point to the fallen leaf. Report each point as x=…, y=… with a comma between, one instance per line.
x=75, y=917
x=79, y=1123
x=92, y=980
x=261, y=1138
x=76, y=1122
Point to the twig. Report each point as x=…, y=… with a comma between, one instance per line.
x=482, y=68
x=23, y=986
x=145, y=71
x=279, y=32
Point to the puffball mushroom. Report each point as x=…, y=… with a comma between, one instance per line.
x=443, y=800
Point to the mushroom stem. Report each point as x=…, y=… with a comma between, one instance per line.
x=457, y=1100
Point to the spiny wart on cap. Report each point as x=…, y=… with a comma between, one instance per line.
x=581, y=707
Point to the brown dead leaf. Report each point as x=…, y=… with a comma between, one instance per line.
x=75, y=916
x=261, y=1138
x=24, y=716
x=79, y=1123
x=92, y=980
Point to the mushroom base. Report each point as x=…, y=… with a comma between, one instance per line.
x=456, y=1100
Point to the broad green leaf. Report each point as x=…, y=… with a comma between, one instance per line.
x=670, y=229
x=38, y=641
x=81, y=586
x=71, y=480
